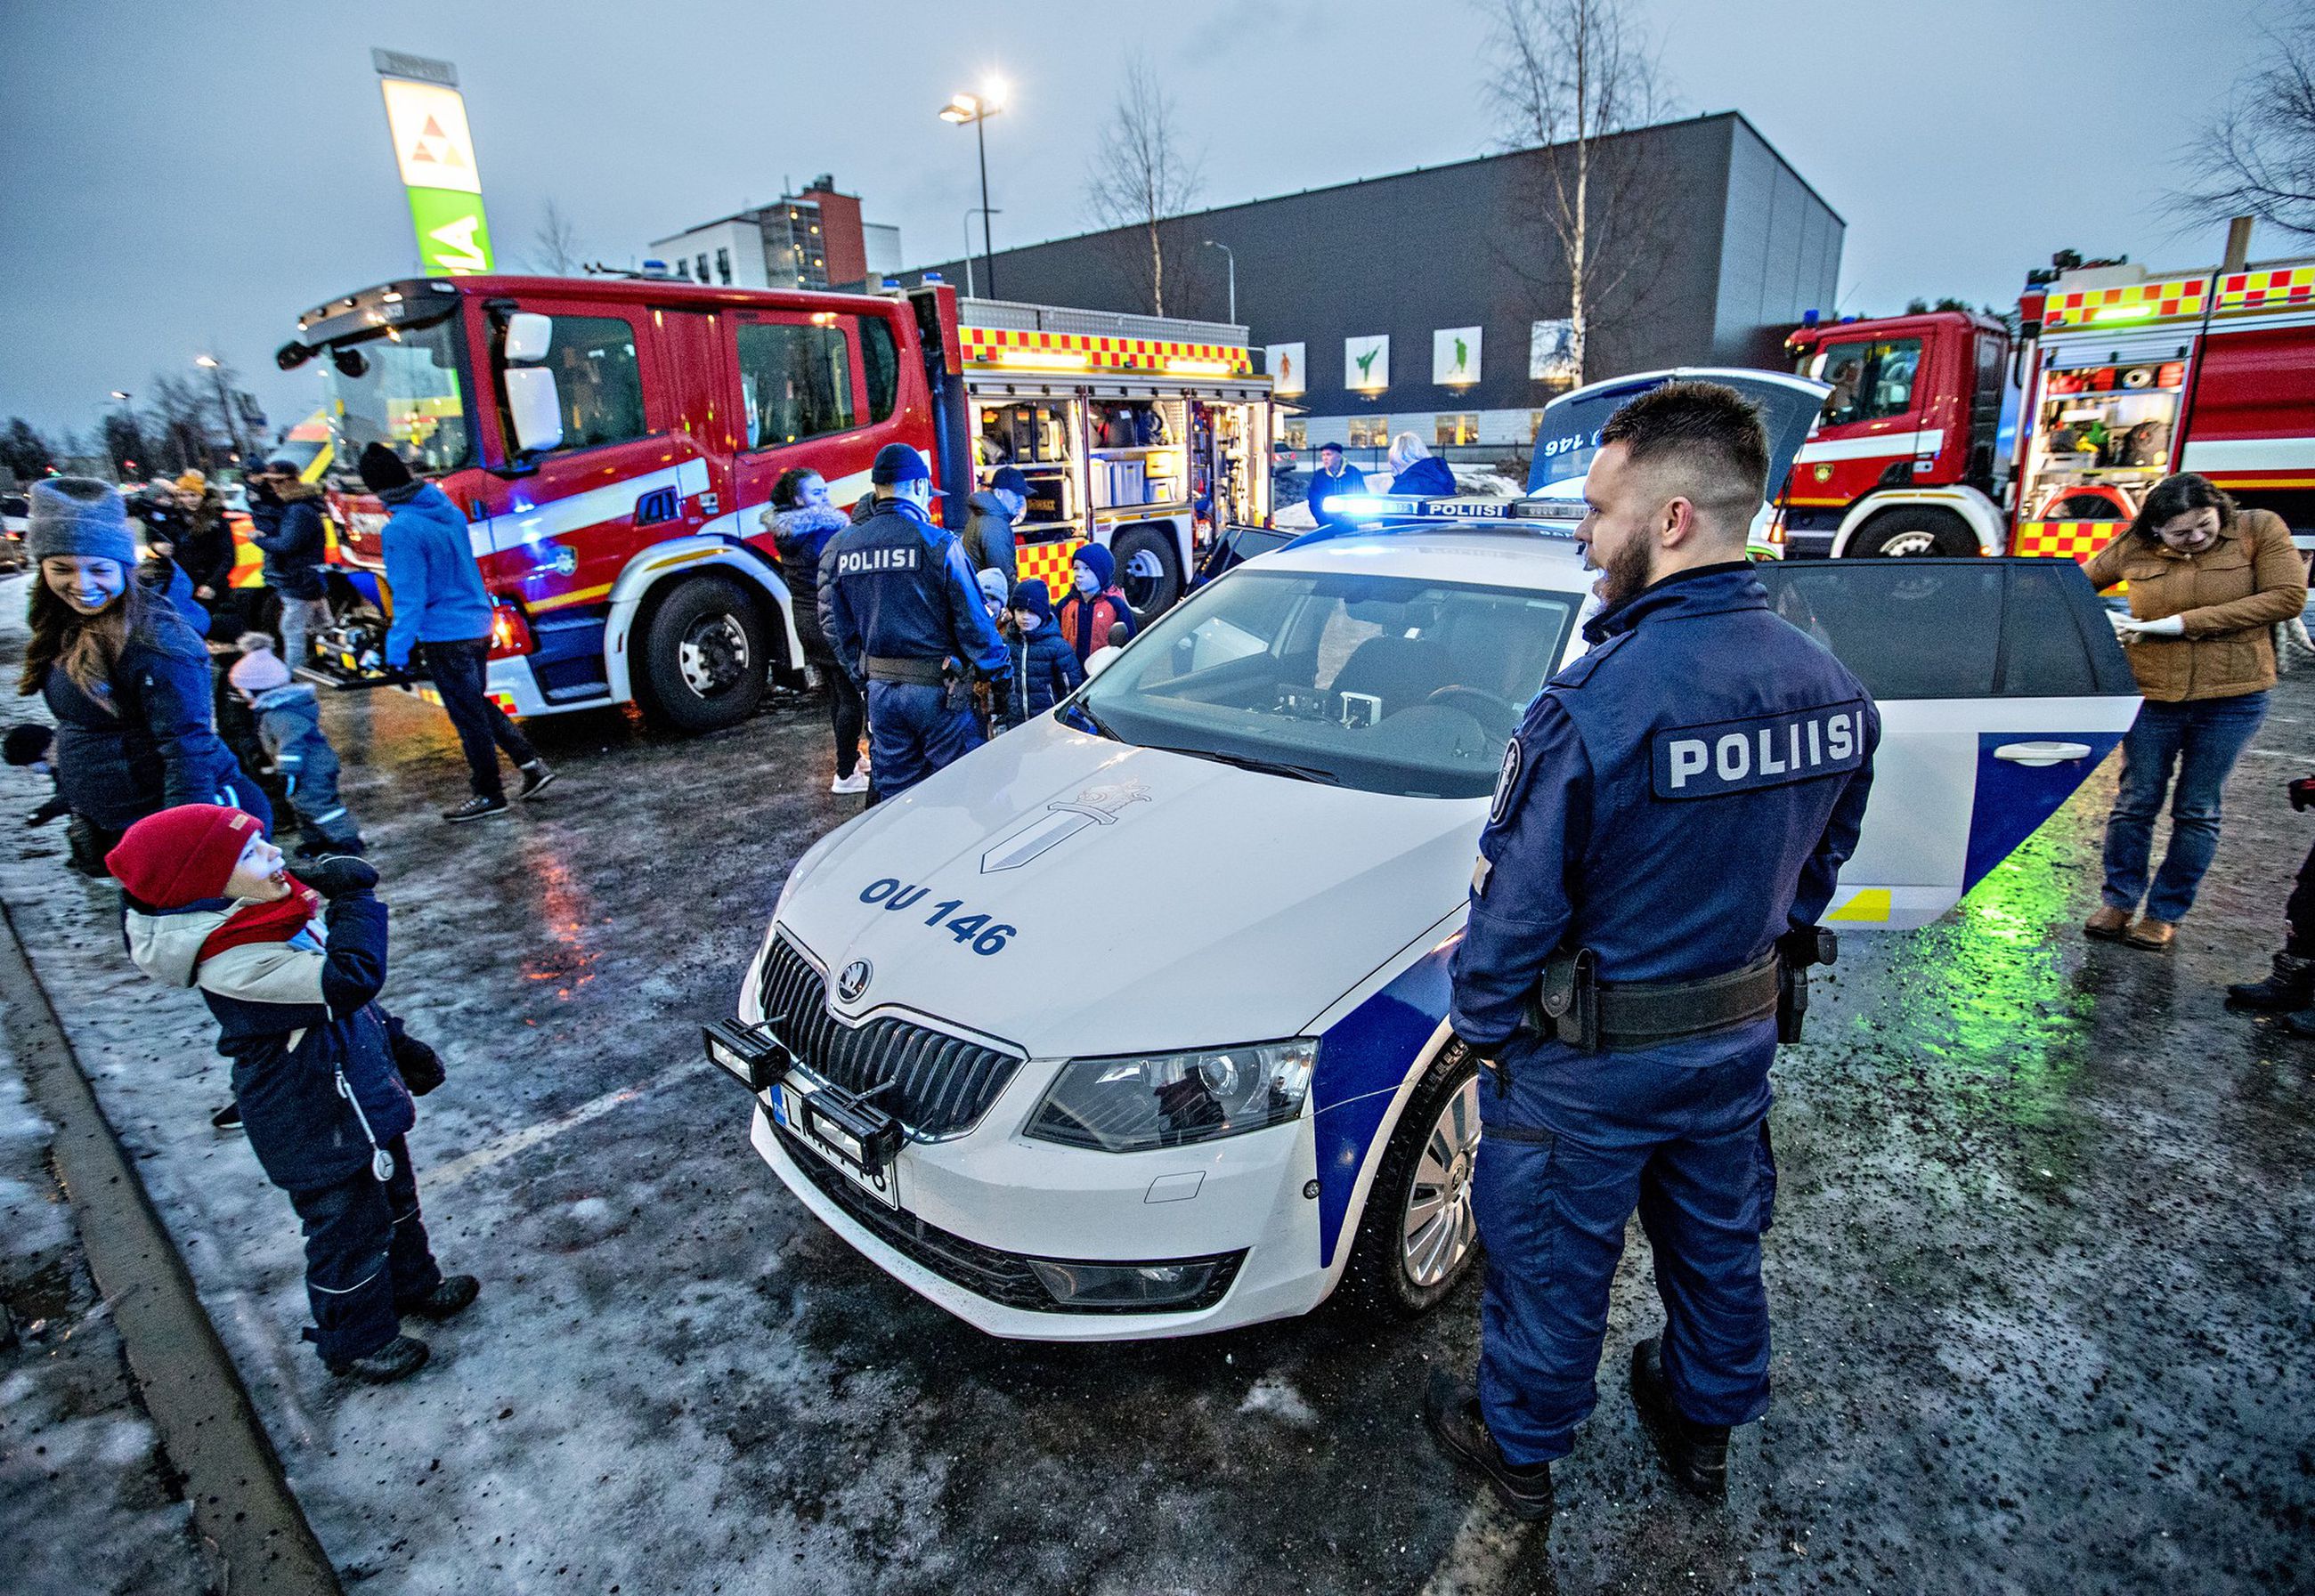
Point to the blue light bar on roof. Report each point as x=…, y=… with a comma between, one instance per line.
x=1383, y=507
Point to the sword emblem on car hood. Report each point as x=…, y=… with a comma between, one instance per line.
x=1063, y=819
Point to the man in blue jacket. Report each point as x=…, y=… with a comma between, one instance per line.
x=440, y=604
x=1334, y=479
x=906, y=619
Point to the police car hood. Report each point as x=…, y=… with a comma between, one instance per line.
x=1156, y=899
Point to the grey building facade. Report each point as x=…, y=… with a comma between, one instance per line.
x=1434, y=300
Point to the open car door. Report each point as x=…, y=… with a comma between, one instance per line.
x=2000, y=686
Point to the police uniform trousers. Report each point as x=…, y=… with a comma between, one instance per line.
x=365, y=1252
x=1573, y=1144
x=915, y=729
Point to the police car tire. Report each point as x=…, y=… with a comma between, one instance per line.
x=1140, y=540
x=1375, y=1281
x=669, y=698
x=1948, y=535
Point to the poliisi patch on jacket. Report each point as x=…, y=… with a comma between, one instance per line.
x=867, y=562
x=1745, y=755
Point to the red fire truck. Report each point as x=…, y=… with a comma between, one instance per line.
x=2119, y=378
x=613, y=441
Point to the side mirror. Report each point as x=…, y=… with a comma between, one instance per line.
x=528, y=335
x=534, y=405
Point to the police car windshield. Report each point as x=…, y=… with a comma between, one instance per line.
x=1387, y=683
x=1570, y=437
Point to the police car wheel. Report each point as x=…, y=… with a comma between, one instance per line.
x=1148, y=571
x=1913, y=533
x=705, y=656
x=1420, y=1234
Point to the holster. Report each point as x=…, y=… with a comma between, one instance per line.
x=1568, y=998
x=1796, y=951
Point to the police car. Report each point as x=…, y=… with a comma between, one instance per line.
x=1126, y=1024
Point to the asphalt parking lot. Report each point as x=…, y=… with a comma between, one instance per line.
x=2040, y=1271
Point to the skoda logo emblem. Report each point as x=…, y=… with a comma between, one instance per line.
x=853, y=981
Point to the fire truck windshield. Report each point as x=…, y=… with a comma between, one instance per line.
x=402, y=391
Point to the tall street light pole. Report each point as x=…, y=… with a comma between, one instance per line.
x=225, y=403
x=976, y=109
x=983, y=213
x=127, y=420
x=1230, y=255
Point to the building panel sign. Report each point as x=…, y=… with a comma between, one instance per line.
x=1455, y=357
x=434, y=151
x=1551, y=351
x=1366, y=363
x=1287, y=366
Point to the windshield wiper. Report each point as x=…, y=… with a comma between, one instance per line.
x=1309, y=773
x=1100, y=726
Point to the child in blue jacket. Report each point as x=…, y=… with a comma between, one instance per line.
x=1045, y=668
x=319, y=1068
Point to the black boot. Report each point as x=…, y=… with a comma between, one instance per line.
x=535, y=777
x=2292, y=985
x=398, y=1358
x=1695, y=1455
x=2301, y=1024
x=455, y=1293
x=1452, y=1410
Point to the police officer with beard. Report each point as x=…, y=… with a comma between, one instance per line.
x=906, y=619
x=1670, y=821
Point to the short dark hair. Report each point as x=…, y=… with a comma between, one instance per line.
x=2178, y=495
x=1709, y=434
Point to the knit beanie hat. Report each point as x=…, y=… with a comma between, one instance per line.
x=27, y=742
x=182, y=855
x=1100, y=561
x=259, y=669
x=79, y=515
x=992, y=586
x=382, y=470
x=192, y=482
x=1036, y=597
x=896, y=463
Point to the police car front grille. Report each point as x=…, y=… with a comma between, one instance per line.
x=939, y=1083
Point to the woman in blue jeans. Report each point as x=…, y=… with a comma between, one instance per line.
x=2208, y=582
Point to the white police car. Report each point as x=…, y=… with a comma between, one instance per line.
x=1124, y=1024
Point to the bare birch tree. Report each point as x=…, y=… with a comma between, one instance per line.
x=1573, y=74
x=1143, y=173
x=2257, y=155
x=554, y=244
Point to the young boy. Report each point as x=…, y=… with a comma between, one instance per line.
x=1096, y=605
x=290, y=724
x=1045, y=668
x=318, y=1065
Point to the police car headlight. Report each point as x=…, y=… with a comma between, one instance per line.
x=1125, y=1105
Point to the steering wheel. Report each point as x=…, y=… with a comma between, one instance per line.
x=1498, y=714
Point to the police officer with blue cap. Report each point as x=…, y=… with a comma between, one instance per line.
x=1670, y=817
x=906, y=619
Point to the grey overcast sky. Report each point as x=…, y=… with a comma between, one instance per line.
x=177, y=177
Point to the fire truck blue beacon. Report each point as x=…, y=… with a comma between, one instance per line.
x=1134, y=1022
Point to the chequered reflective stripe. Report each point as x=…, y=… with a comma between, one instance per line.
x=248, y=561
x=2181, y=297
x=2076, y=540
x=1049, y=562
x=985, y=346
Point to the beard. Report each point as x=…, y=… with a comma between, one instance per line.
x=1624, y=576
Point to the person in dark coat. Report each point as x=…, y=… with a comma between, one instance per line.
x=1418, y=472
x=1096, y=604
x=294, y=543
x=204, y=546
x=125, y=678
x=987, y=540
x=802, y=522
x=1334, y=479
x=1045, y=668
x=287, y=716
x=319, y=1068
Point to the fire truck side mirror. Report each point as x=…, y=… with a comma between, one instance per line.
x=528, y=335
x=536, y=408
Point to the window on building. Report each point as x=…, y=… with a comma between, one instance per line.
x=1534, y=425
x=683, y=270
x=724, y=265
x=1297, y=434
x=703, y=266
x=1369, y=432
x=1870, y=381
x=1455, y=427
x=797, y=381
x=598, y=379
x=880, y=359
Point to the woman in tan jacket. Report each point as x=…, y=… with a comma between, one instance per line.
x=2207, y=583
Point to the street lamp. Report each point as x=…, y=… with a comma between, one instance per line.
x=976, y=109
x=224, y=405
x=984, y=214
x=1231, y=255
x=127, y=420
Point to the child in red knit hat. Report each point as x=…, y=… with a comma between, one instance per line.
x=291, y=973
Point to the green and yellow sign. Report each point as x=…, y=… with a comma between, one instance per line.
x=435, y=151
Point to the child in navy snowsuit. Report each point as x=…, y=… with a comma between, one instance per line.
x=290, y=724
x=319, y=1068
x=1045, y=668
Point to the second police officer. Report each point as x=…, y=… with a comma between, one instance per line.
x=906, y=618
x=1670, y=817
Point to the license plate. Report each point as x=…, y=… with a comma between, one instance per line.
x=792, y=1107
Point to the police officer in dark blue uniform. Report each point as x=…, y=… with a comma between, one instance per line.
x=1670, y=817
x=906, y=619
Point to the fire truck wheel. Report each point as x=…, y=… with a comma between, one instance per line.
x=1149, y=569
x=705, y=656
x=1419, y=1234
x=1914, y=532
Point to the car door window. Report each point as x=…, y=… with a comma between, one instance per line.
x=879, y=361
x=796, y=379
x=1870, y=381
x=599, y=380
x=1906, y=628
